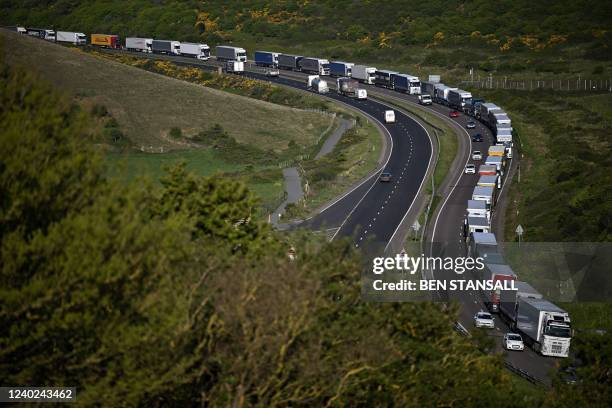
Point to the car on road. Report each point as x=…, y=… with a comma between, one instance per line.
x=484, y=319
x=470, y=169
x=477, y=137
x=471, y=125
x=385, y=177
x=476, y=155
x=272, y=73
x=389, y=116
x=454, y=114
x=513, y=341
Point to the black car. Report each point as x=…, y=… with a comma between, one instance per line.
x=385, y=177
x=477, y=137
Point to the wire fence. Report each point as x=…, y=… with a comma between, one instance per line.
x=577, y=84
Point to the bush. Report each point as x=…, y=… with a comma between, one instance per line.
x=99, y=110
x=176, y=133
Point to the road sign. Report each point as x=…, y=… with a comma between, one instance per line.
x=520, y=230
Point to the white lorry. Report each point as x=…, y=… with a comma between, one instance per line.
x=544, y=326
x=363, y=73
x=350, y=87
x=198, y=51
x=228, y=53
x=139, y=44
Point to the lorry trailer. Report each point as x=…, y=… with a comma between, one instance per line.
x=479, y=243
x=166, y=47
x=497, y=150
x=545, y=326
x=42, y=33
x=234, y=67
x=504, y=136
x=485, y=194
x=406, y=83
x=476, y=208
x=139, y=44
x=488, y=181
x=384, y=78
x=341, y=69
x=228, y=53
x=198, y=51
x=314, y=65
x=266, y=59
x=71, y=37
x=508, y=299
x=487, y=170
x=483, y=109
x=477, y=224
x=106, y=40
x=364, y=74
x=458, y=99
x=288, y=61
x=496, y=273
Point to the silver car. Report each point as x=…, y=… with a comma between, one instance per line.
x=513, y=341
x=484, y=319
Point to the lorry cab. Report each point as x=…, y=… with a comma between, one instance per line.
x=389, y=116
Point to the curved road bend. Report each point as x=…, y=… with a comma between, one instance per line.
x=371, y=196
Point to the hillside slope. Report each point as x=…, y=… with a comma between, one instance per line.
x=148, y=105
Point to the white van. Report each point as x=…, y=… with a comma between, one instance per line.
x=389, y=116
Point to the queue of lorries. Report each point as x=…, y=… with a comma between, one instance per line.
x=544, y=326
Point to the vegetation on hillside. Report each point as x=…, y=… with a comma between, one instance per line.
x=174, y=294
x=505, y=36
x=563, y=194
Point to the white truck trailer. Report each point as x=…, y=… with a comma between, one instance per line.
x=363, y=73
x=71, y=37
x=198, y=51
x=139, y=44
x=228, y=53
x=509, y=298
x=545, y=326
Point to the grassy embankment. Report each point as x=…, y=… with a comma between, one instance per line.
x=149, y=120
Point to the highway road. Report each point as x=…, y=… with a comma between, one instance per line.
x=371, y=212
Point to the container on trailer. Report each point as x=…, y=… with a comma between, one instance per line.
x=508, y=298
x=229, y=53
x=318, y=66
x=288, y=61
x=481, y=242
x=485, y=194
x=106, y=40
x=139, y=44
x=384, y=78
x=496, y=161
x=487, y=181
x=341, y=69
x=166, y=47
x=497, y=150
x=477, y=224
x=266, y=59
x=401, y=82
x=363, y=73
x=71, y=37
x=198, y=51
x=545, y=326
x=476, y=208
x=428, y=87
x=496, y=273
x=42, y=33
x=487, y=170
x=504, y=135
